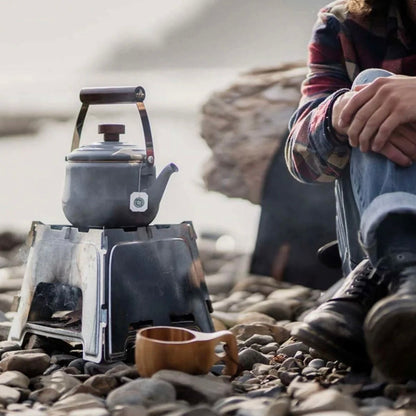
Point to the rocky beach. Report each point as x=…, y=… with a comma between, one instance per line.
x=278, y=376
x=181, y=55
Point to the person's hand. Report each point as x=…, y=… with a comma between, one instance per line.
x=400, y=147
x=375, y=110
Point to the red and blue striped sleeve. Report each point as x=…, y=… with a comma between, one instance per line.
x=313, y=152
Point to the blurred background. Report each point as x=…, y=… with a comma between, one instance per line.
x=179, y=51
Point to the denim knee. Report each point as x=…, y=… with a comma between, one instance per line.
x=369, y=75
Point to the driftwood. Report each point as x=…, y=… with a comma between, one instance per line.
x=245, y=125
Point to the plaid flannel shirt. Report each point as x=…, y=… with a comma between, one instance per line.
x=342, y=45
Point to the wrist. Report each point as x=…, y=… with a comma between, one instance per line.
x=332, y=129
x=339, y=132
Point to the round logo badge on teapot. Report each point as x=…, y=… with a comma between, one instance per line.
x=139, y=201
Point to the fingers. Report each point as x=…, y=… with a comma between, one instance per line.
x=404, y=139
x=385, y=130
x=356, y=102
x=395, y=155
x=367, y=124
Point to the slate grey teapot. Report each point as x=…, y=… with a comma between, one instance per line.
x=110, y=183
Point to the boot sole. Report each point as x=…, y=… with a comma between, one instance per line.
x=390, y=333
x=333, y=351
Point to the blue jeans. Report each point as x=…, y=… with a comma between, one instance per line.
x=371, y=188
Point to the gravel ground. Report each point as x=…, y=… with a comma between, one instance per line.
x=278, y=375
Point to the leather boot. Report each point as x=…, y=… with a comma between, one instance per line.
x=335, y=328
x=390, y=326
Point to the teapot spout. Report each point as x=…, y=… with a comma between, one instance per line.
x=159, y=185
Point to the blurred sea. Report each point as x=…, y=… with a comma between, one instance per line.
x=50, y=50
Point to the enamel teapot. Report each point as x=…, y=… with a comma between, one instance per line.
x=110, y=183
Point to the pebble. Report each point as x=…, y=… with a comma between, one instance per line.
x=194, y=389
x=58, y=381
x=277, y=309
x=222, y=404
x=245, y=331
x=102, y=383
x=51, y=369
x=316, y=363
x=254, y=407
x=123, y=370
x=259, y=339
x=28, y=412
x=218, y=283
x=286, y=377
x=8, y=346
x=377, y=402
x=14, y=379
x=292, y=363
x=261, y=369
x=129, y=411
x=301, y=391
x=310, y=372
x=228, y=319
x=279, y=407
x=257, y=284
x=97, y=411
x=30, y=364
x=45, y=395
x=326, y=400
x=8, y=395
x=161, y=409
x=143, y=391
x=82, y=388
x=291, y=348
x=294, y=292
x=78, y=363
x=248, y=357
x=62, y=359
x=266, y=392
x=271, y=347
x=22, y=352
x=401, y=412
x=93, y=368
x=254, y=317
x=77, y=402
x=16, y=407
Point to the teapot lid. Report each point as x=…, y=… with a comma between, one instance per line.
x=109, y=150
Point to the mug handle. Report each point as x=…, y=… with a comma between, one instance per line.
x=230, y=357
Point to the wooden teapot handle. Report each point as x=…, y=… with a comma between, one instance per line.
x=114, y=95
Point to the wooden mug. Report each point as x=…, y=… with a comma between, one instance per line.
x=166, y=347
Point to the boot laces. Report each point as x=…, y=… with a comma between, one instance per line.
x=364, y=284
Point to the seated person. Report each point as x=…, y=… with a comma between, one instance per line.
x=356, y=125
